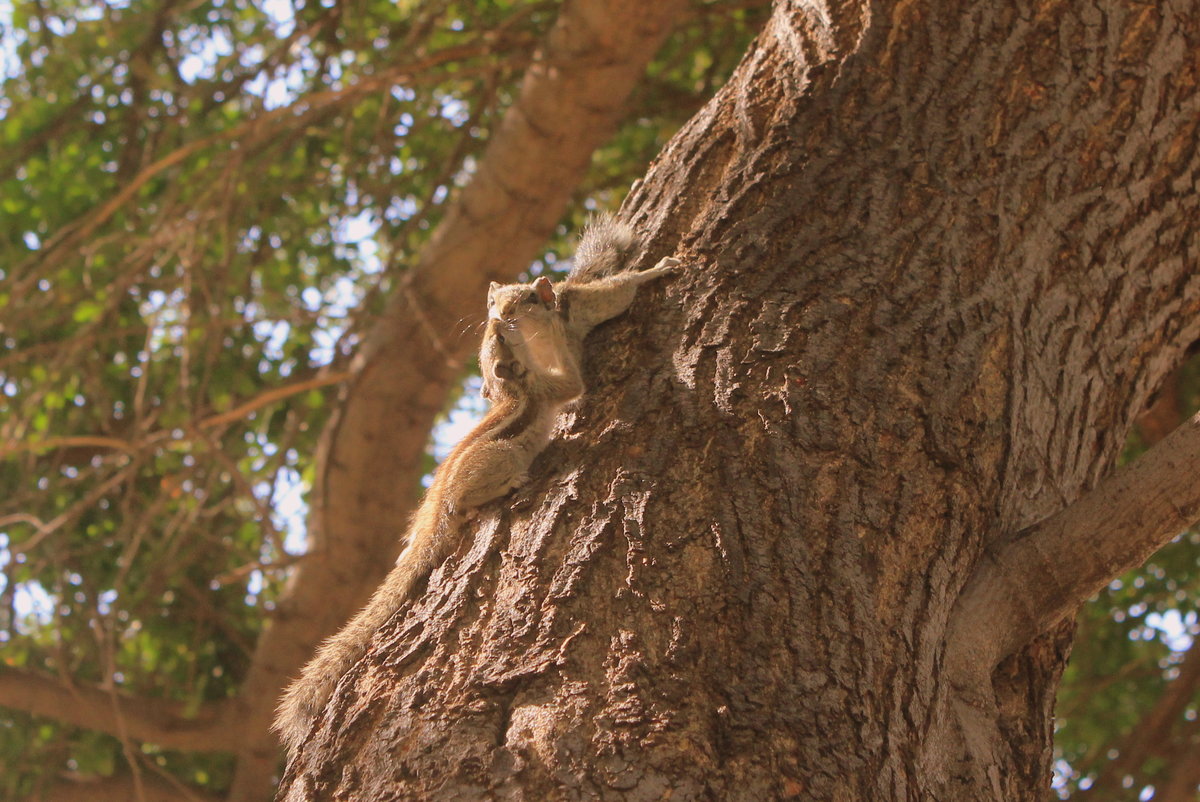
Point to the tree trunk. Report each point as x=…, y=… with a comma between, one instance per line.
x=940, y=256
x=590, y=61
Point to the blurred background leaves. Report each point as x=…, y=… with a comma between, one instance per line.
x=203, y=206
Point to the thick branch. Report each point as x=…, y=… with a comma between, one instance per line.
x=1029, y=584
x=570, y=101
x=844, y=415
x=154, y=720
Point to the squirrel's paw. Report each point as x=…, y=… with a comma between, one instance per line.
x=665, y=267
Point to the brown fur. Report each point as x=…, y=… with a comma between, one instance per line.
x=529, y=359
x=486, y=464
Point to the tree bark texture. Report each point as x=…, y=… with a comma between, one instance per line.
x=571, y=99
x=941, y=254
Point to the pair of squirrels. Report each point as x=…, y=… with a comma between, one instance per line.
x=529, y=360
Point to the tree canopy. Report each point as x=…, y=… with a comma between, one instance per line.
x=207, y=208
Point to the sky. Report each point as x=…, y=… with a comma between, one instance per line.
x=289, y=508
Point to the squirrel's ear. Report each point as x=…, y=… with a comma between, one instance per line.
x=545, y=290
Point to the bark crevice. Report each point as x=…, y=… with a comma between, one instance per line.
x=923, y=305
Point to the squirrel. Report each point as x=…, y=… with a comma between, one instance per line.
x=597, y=288
x=487, y=463
x=529, y=360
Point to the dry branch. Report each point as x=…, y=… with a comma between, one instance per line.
x=211, y=422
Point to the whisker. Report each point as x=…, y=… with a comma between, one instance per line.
x=464, y=326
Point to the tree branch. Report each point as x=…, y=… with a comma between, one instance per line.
x=1183, y=773
x=1150, y=734
x=1025, y=586
x=266, y=398
x=154, y=720
x=273, y=395
x=260, y=127
x=120, y=788
x=571, y=99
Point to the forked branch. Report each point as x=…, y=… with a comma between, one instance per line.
x=1025, y=586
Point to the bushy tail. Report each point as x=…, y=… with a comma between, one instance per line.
x=307, y=696
x=606, y=248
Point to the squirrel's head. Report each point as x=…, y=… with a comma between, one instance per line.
x=508, y=302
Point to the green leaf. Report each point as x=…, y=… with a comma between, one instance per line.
x=87, y=311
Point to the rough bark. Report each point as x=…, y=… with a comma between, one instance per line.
x=1156, y=736
x=1027, y=585
x=570, y=102
x=941, y=254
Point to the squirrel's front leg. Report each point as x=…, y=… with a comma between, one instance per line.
x=588, y=304
x=502, y=358
x=666, y=266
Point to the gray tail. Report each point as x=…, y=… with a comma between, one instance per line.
x=606, y=247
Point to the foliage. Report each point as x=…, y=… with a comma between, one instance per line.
x=203, y=203
x=1129, y=647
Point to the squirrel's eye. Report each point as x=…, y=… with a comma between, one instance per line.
x=531, y=298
